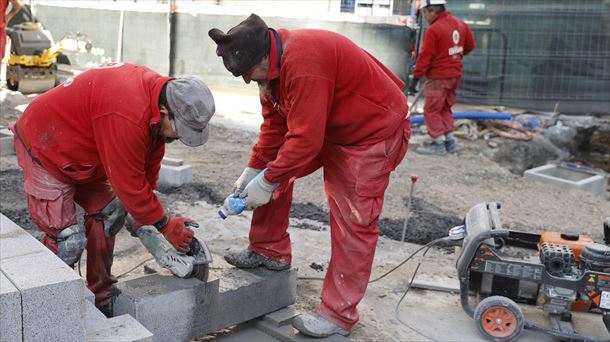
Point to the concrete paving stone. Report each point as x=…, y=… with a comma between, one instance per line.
x=287, y=333
x=280, y=317
x=10, y=311
x=247, y=294
x=93, y=316
x=52, y=294
x=89, y=296
x=175, y=175
x=246, y=332
x=172, y=161
x=122, y=328
x=173, y=309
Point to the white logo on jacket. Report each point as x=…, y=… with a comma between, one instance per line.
x=456, y=49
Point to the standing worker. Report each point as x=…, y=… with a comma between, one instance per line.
x=446, y=42
x=4, y=19
x=97, y=140
x=325, y=103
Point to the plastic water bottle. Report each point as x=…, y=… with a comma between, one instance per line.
x=234, y=204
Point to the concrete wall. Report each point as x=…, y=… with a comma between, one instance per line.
x=145, y=39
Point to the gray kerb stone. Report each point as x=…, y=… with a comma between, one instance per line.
x=10, y=311
x=180, y=309
x=52, y=294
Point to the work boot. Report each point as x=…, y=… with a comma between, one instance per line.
x=437, y=148
x=452, y=146
x=249, y=259
x=314, y=325
x=106, y=309
x=451, y=143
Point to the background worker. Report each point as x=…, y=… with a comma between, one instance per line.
x=4, y=19
x=446, y=42
x=326, y=103
x=97, y=140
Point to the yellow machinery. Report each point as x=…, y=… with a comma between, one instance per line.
x=32, y=64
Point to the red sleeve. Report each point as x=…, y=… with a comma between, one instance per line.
x=270, y=139
x=153, y=163
x=469, y=43
x=123, y=146
x=310, y=99
x=426, y=54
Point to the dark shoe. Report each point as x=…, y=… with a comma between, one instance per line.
x=315, y=325
x=248, y=259
x=106, y=309
x=452, y=146
x=434, y=149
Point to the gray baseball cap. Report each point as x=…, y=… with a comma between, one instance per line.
x=192, y=104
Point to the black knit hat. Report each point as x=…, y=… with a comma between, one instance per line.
x=243, y=46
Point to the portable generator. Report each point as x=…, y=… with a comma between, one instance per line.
x=572, y=274
x=32, y=64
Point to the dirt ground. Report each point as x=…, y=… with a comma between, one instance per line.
x=446, y=188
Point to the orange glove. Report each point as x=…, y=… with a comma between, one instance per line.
x=178, y=233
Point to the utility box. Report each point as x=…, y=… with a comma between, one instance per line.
x=571, y=176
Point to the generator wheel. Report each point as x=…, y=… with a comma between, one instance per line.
x=499, y=319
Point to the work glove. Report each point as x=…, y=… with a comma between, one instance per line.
x=178, y=232
x=113, y=215
x=71, y=242
x=257, y=193
x=413, y=86
x=245, y=178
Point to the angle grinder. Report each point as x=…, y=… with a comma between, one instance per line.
x=194, y=263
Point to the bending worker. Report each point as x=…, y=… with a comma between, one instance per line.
x=97, y=140
x=446, y=42
x=325, y=103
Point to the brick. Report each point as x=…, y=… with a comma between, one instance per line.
x=286, y=333
x=173, y=309
x=120, y=329
x=10, y=311
x=570, y=178
x=252, y=293
x=175, y=175
x=280, y=317
x=52, y=294
x=7, y=143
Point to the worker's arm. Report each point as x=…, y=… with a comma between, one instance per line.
x=426, y=54
x=469, y=42
x=270, y=139
x=153, y=163
x=310, y=99
x=16, y=4
x=122, y=146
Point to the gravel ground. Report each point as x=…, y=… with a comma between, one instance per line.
x=446, y=188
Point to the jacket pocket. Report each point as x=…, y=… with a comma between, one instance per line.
x=79, y=172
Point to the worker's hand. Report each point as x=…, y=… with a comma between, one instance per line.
x=257, y=193
x=413, y=86
x=178, y=233
x=113, y=215
x=244, y=179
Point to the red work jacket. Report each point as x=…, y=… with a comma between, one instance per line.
x=322, y=88
x=446, y=42
x=102, y=125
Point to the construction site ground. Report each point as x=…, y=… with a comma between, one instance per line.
x=447, y=187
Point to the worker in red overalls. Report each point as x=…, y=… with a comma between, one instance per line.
x=326, y=103
x=4, y=19
x=446, y=42
x=97, y=140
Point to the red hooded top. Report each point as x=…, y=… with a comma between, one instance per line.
x=322, y=88
x=102, y=125
x=446, y=42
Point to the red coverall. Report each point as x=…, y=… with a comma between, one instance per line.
x=446, y=42
x=329, y=104
x=3, y=23
x=88, y=139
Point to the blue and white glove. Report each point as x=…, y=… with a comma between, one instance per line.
x=258, y=192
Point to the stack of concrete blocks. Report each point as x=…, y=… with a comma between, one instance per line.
x=181, y=309
x=174, y=172
x=7, y=144
x=571, y=177
x=42, y=299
